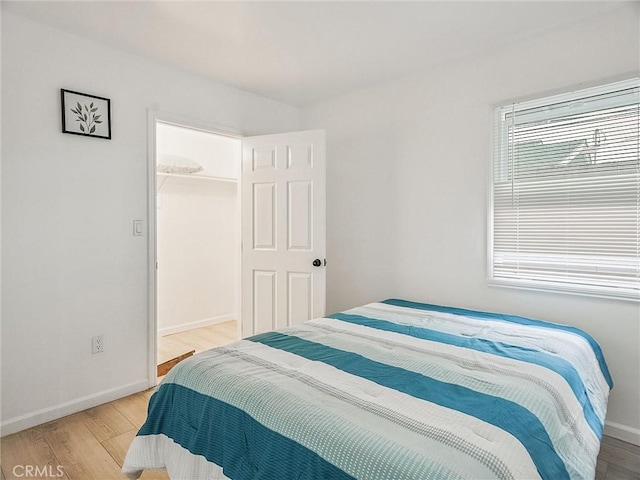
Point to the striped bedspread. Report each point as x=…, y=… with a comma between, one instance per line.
x=391, y=390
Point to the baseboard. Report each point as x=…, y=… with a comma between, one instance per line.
x=197, y=324
x=45, y=415
x=622, y=432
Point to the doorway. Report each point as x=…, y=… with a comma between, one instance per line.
x=197, y=231
x=279, y=180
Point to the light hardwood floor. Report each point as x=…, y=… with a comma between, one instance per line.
x=618, y=460
x=198, y=339
x=91, y=445
x=171, y=347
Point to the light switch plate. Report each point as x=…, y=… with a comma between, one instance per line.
x=138, y=228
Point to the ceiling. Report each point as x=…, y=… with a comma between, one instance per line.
x=303, y=52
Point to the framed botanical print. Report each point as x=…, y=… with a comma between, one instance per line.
x=84, y=114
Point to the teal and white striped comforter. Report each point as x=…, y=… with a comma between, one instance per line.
x=392, y=390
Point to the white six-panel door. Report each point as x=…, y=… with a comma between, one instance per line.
x=283, y=230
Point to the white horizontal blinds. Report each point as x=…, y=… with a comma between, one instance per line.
x=566, y=192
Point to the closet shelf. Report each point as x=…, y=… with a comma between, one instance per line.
x=193, y=175
x=167, y=176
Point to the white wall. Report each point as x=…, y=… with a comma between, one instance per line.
x=408, y=170
x=198, y=254
x=198, y=225
x=71, y=266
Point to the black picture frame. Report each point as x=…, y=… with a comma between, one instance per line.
x=86, y=115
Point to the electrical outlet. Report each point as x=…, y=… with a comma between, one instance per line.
x=97, y=344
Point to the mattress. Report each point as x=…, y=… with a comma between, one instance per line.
x=390, y=390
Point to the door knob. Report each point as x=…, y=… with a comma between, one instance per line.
x=317, y=262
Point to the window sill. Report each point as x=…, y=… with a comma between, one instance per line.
x=594, y=292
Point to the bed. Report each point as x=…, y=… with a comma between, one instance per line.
x=390, y=390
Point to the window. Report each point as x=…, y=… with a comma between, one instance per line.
x=565, y=210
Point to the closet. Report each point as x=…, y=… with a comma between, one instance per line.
x=198, y=253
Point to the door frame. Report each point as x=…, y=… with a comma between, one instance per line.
x=154, y=117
